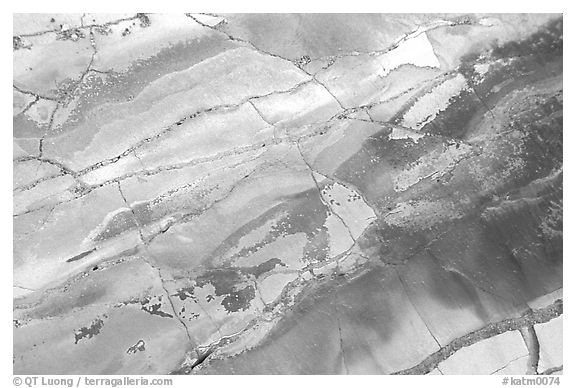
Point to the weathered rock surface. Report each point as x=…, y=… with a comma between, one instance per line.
x=298, y=194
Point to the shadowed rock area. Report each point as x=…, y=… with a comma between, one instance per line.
x=288, y=193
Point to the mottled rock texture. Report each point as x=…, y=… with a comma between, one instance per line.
x=296, y=194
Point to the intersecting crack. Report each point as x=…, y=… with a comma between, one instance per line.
x=81, y=27
x=326, y=203
x=262, y=51
x=86, y=190
x=236, y=39
x=420, y=29
x=61, y=101
x=33, y=94
x=176, y=124
x=263, y=118
x=30, y=105
x=170, y=301
x=189, y=216
x=524, y=324
x=90, y=188
x=131, y=150
x=133, y=214
x=157, y=269
x=529, y=318
x=329, y=92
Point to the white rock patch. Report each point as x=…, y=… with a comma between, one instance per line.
x=434, y=102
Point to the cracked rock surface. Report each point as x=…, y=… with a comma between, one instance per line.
x=287, y=194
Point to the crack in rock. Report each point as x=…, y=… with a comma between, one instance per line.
x=533, y=345
x=324, y=201
x=252, y=45
x=509, y=363
x=82, y=26
x=530, y=318
x=416, y=308
x=89, y=188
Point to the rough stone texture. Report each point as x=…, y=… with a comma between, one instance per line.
x=551, y=344
x=287, y=194
x=488, y=356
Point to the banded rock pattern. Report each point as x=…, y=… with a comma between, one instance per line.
x=272, y=194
